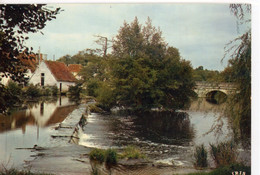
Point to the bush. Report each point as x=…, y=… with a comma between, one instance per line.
x=224, y=153
x=54, y=90
x=111, y=156
x=33, y=91
x=201, y=157
x=132, y=152
x=14, y=88
x=98, y=155
x=75, y=90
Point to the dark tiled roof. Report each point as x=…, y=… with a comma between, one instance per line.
x=60, y=71
x=74, y=67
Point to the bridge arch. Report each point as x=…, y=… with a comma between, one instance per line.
x=216, y=96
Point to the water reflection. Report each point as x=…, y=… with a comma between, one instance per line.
x=165, y=127
x=42, y=114
x=27, y=127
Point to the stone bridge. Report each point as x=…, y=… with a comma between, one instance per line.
x=206, y=89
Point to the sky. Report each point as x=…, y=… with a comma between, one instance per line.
x=200, y=31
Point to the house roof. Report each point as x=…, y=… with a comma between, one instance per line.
x=29, y=62
x=60, y=71
x=74, y=67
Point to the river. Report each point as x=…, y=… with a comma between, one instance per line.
x=167, y=138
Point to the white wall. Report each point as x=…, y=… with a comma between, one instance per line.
x=49, y=79
x=65, y=85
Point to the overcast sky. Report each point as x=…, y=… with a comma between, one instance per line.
x=199, y=31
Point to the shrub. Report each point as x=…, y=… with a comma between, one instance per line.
x=98, y=155
x=224, y=153
x=132, y=152
x=33, y=91
x=54, y=90
x=14, y=88
x=111, y=156
x=201, y=157
x=75, y=90
x=45, y=92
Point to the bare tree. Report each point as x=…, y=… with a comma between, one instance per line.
x=104, y=42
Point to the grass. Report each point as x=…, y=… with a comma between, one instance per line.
x=224, y=153
x=111, y=156
x=98, y=155
x=131, y=152
x=228, y=170
x=200, y=156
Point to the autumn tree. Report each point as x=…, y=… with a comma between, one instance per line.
x=16, y=22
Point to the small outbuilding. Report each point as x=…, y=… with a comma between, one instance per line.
x=53, y=73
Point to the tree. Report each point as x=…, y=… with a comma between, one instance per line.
x=146, y=73
x=16, y=21
x=239, y=108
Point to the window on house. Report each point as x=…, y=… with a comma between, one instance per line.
x=42, y=79
x=60, y=87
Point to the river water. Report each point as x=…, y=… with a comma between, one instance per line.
x=167, y=138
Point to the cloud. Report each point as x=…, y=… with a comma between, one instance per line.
x=199, y=31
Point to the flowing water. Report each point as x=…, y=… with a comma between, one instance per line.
x=165, y=137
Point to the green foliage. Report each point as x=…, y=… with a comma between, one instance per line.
x=33, y=91
x=111, y=156
x=131, y=152
x=7, y=99
x=14, y=88
x=145, y=73
x=239, y=70
x=54, y=90
x=141, y=73
x=82, y=57
x=16, y=21
x=98, y=155
x=200, y=156
x=201, y=74
x=227, y=170
x=75, y=90
x=224, y=153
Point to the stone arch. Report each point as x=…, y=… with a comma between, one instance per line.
x=216, y=96
x=211, y=93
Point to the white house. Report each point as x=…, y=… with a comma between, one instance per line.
x=53, y=73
